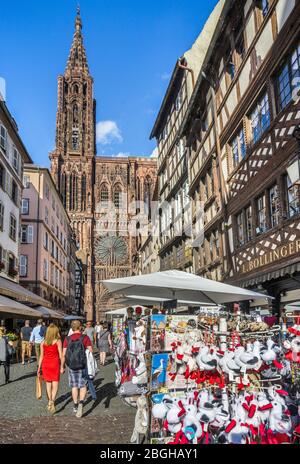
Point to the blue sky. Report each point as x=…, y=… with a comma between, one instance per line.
x=132, y=47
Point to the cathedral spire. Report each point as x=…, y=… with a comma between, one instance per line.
x=78, y=23
x=77, y=62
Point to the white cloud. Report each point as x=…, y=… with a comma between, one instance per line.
x=154, y=154
x=108, y=132
x=121, y=155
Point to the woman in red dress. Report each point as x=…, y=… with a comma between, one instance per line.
x=49, y=364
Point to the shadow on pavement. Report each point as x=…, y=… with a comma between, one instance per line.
x=107, y=362
x=61, y=399
x=67, y=397
x=107, y=392
x=24, y=377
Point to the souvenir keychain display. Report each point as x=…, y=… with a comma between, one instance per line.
x=229, y=379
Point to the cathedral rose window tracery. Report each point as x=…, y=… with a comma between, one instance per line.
x=111, y=251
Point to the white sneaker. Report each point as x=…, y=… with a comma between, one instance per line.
x=79, y=410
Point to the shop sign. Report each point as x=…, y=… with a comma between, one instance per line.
x=272, y=256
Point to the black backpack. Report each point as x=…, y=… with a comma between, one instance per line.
x=75, y=355
x=43, y=331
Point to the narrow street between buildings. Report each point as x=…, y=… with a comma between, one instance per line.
x=24, y=420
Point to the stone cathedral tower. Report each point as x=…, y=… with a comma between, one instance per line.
x=73, y=160
x=93, y=188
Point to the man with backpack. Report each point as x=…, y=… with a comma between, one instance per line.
x=74, y=357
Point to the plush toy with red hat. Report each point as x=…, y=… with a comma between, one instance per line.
x=138, y=311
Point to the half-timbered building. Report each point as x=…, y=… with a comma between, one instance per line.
x=241, y=130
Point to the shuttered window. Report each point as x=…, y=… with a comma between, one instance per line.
x=3, y=138
x=23, y=266
x=1, y=216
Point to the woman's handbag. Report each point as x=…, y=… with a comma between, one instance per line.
x=38, y=387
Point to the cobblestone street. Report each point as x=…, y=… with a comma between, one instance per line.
x=23, y=419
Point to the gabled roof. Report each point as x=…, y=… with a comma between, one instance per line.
x=194, y=58
x=14, y=128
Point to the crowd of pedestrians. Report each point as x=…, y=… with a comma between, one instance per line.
x=58, y=349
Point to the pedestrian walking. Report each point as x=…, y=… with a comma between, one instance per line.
x=6, y=350
x=43, y=329
x=74, y=357
x=90, y=332
x=104, y=343
x=37, y=338
x=25, y=334
x=71, y=331
x=50, y=361
x=98, y=327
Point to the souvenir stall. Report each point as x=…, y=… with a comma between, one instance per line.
x=220, y=376
x=236, y=382
x=129, y=328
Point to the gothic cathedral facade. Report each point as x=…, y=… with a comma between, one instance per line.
x=98, y=192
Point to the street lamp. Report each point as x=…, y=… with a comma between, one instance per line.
x=293, y=169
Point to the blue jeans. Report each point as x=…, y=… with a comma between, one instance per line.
x=90, y=386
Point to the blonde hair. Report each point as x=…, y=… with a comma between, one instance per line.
x=76, y=325
x=51, y=334
x=2, y=332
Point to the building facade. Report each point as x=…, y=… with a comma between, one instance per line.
x=148, y=247
x=13, y=155
x=123, y=194
x=175, y=249
x=48, y=249
x=97, y=192
x=241, y=133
